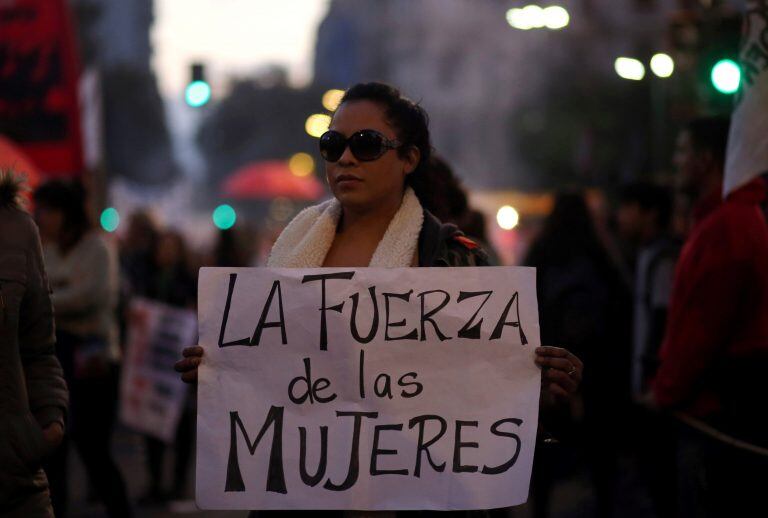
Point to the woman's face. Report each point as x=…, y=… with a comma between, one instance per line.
x=362, y=185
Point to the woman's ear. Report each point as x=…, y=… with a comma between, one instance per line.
x=411, y=159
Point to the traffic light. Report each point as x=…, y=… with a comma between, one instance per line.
x=726, y=76
x=705, y=42
x=198, y=91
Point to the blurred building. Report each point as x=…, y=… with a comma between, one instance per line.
x=115, y=44
x=514, y=108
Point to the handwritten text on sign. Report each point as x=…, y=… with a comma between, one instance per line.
x=410, y=388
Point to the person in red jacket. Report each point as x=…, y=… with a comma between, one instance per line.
x=715, y=349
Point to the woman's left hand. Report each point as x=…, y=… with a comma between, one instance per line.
x=561, y=371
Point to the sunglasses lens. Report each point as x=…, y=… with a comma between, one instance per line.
x=332, y=145
x=366, y=145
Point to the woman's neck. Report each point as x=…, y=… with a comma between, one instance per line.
x=371, y=222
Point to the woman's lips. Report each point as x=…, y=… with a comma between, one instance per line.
x=346, y=180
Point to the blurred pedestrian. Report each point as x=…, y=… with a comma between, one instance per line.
x=136, y=252
x=644, y=221
x=33, y=395
x=172, y=283
x=376, y=152
x=448, y=201
x=235, y=247
x=583, y=304
x=83, y=271
x=715, y=349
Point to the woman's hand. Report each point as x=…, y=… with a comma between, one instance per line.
x=188, y=365
x=562, y=371
x=53, y=434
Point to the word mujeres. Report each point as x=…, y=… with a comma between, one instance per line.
x=431, y=303
x=276, y=471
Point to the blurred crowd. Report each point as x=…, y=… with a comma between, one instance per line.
x=607, y=264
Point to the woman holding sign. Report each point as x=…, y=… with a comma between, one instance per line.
x=376, y=152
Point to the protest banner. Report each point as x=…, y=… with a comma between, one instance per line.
x=151, y=394
x=366, y=388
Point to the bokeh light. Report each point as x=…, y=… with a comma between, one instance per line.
x=629, y=68
x=224, y=217
x=507, y=217
x=534, y=17
x=556, y=17
x=662, y=65
x=301, y=164
x=317, y=124
x=726, y=76
x=332, y=98
x=197, y=93
x=110, y=219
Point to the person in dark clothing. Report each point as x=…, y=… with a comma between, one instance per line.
x=643, y=218
x=33, y=394
x=170, y=282
x=83, y=271
x=715, y=348
x=584, y=306
x=448, y=201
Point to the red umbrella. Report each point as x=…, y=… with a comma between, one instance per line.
x=270, y=179
x=12, y=157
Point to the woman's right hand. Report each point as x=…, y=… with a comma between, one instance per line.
x=188, y=365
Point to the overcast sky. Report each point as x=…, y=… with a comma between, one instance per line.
x=234, y=37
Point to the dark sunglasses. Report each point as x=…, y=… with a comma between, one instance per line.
x=366, y=145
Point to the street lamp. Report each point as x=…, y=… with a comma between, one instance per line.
x=529, y=17
x=662, y=65
x=629, y=68
x=507, y=217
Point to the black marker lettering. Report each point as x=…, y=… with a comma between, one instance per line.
x=424, y=446
x=262, y=320
x=227, y=305
x=511, y=462
x=503, y=321
x=427, y=317
x=413, y=334
x=375, y=452
x=458, y=445
x=323, y=308
x=469, y=330
x=275, y=473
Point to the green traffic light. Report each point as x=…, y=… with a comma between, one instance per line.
x=224, y=217
x=726, y=76
x=197, y=93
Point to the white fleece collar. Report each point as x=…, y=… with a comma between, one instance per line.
x=305, y=242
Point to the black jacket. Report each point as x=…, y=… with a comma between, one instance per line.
x=32, y=389
x=443, y=244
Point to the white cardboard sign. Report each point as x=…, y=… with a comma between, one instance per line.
x=366, y=388
x=151, y=394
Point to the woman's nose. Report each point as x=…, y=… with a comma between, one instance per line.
x=347, y=158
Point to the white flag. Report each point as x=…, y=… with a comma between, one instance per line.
x=748, y=140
